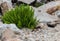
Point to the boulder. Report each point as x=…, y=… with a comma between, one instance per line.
x=43, y=16
x=13, y=27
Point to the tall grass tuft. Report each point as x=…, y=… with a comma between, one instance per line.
x=22, y=16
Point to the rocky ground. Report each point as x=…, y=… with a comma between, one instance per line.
x=46, y=34
x=49, y=26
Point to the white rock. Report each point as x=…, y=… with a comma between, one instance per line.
x=11, y=26
x=27, y=1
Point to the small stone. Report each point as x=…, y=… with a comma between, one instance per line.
x=52, y=24
x=52, y=10
x=42, y=26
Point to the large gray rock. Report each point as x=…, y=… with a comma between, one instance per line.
x=42, y=15
x=27, y=1
x=13, y=27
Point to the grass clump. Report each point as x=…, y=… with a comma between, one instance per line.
x=22, y=16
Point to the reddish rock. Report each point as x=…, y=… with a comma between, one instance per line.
x=9, y=35
x=4, y=7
